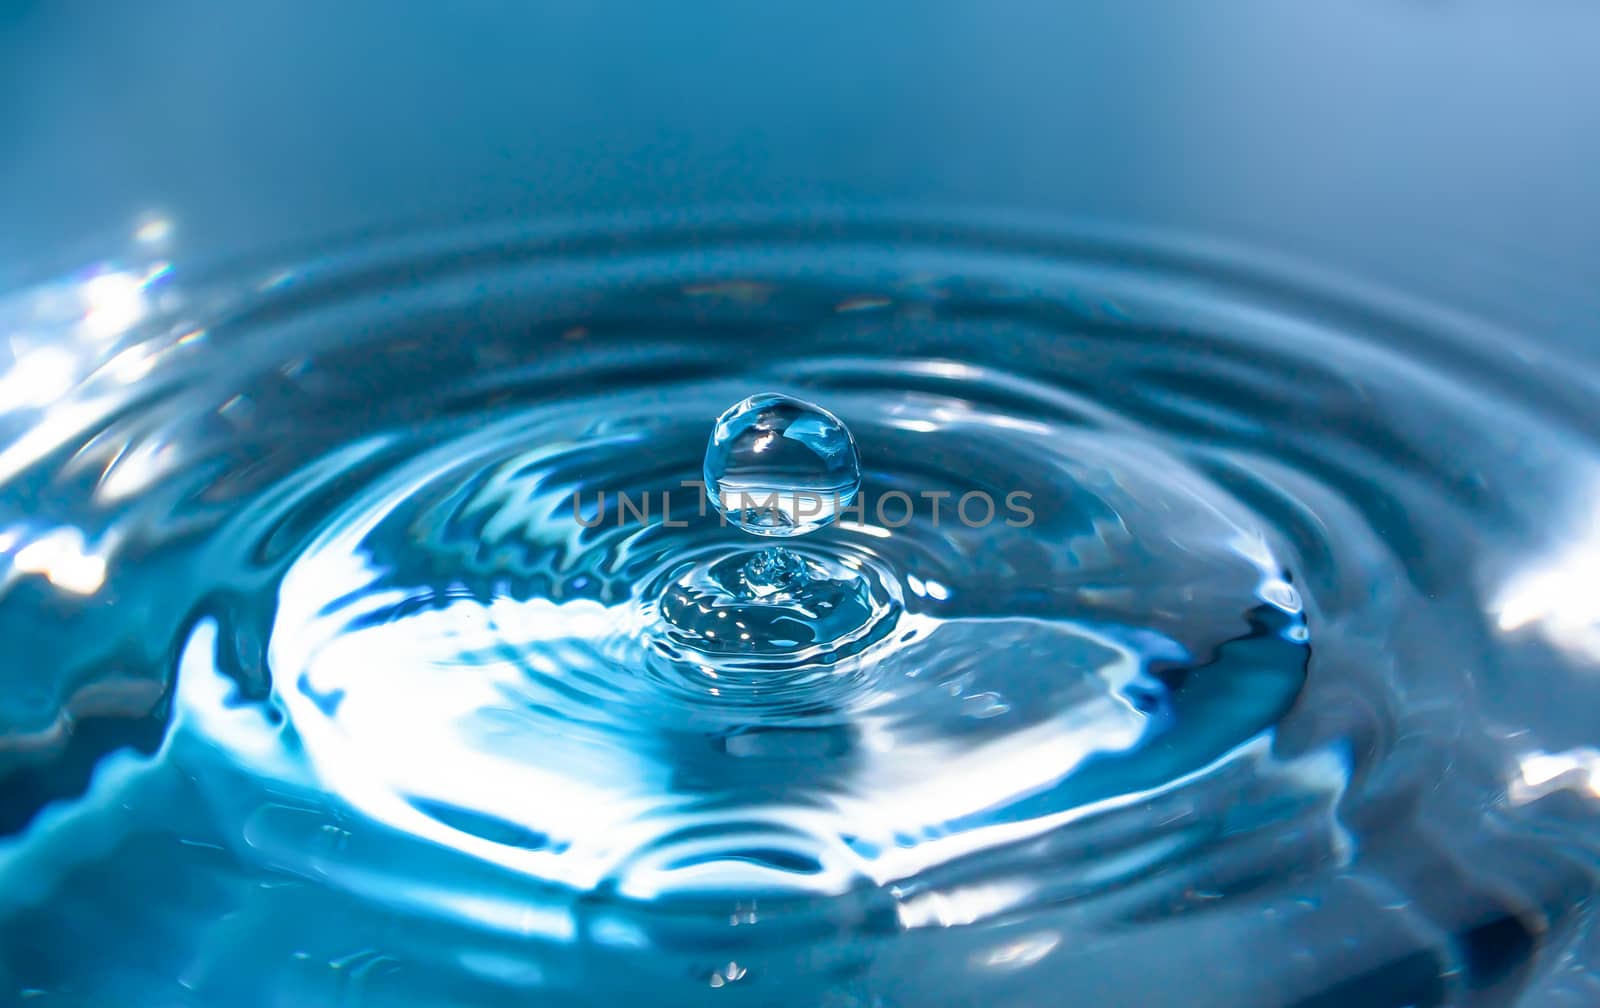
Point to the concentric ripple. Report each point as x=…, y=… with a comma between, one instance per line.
x=1007, y=653
x=1181, y=610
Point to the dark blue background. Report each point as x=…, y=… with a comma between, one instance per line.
x=1450, y=149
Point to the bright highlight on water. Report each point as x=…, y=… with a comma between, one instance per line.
x=314, y=695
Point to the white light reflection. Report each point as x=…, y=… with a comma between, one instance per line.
x=62, y=558
x=876, y=531
x=953, y=370
x=38, y=377
x=957, y=907
x=154, y=231
x=1556, y=597
x=1540, y=773
x=135, y=470
x=728, y=974
x=1023, y=952
x=66, y=346
x=114, y=302
x=131, y=364
x=44, y=367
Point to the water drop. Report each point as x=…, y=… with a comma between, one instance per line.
x=780, y=466
x=776, y=466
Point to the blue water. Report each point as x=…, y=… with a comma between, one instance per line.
x=1190, y=638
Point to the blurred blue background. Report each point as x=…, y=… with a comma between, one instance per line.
x=1447, y=149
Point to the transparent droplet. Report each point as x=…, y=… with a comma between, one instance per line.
x=780, y=466
x=775, y=466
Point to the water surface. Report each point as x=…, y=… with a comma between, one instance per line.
x=320, y=687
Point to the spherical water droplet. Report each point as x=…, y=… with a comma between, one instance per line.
x=780, y=466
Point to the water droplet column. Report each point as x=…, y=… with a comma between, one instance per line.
x=780, y=466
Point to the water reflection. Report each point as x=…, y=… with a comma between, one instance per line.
x=61, y=557
x=115, y=301
x=1556, y=595
x=147, y=506
x=1541, y=773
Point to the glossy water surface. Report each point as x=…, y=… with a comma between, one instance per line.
x=333, y=672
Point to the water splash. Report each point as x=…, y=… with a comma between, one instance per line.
x=1206, y=696
x=774, y=571
x=777, y=466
